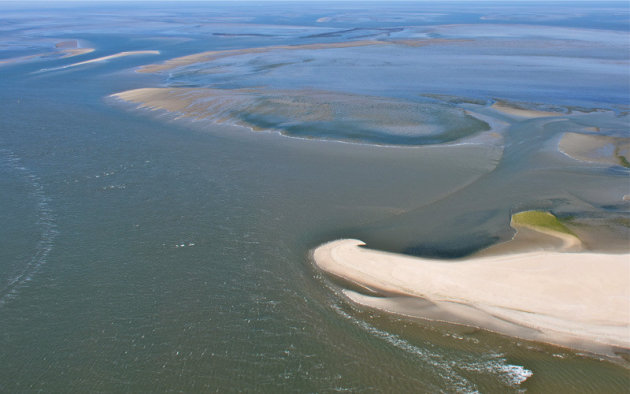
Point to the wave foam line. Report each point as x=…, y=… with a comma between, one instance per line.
x=495, y=364
x=46, y=221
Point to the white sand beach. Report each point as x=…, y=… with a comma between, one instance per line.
x=578, y=300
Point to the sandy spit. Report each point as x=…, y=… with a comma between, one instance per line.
x=578, y=300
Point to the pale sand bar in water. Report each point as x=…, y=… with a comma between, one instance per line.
x=372, y=117
x=522, y=112
x=63, y=49
x=105, y=58
x=214, y=55
x=594, y=148
x=579, y=300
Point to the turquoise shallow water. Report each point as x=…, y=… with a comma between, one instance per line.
x=144, y=254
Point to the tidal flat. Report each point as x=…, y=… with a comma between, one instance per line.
x=170, y=170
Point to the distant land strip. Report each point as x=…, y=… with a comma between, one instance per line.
x=214, y=55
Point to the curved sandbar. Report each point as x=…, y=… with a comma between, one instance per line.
x=579, y=300
x=209, y=56
x=318, y=114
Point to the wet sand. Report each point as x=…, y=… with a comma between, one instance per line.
x=63, y=50
x=578, y=300
x=214, y=55
x=72, y=48
x=522, y=112
x=323, y=114
x=599, y=149
x=76, y=52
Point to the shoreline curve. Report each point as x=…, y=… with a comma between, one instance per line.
x=575, y=300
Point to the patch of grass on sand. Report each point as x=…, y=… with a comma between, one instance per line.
x=623, y=161
x=542, y=220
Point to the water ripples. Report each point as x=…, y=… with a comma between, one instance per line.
x=448, y=369
x=46, y=224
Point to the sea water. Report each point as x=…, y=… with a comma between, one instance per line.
x=140, y=253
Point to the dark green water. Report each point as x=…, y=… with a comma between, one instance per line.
x=138, y=254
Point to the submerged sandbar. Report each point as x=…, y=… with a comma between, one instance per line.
x=316, y=114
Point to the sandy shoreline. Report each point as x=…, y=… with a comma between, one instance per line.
x=578, y=300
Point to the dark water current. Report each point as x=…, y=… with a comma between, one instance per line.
x=138, y=254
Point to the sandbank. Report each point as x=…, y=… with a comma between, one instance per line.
x=72, y=52
x=595, y=148
x=63, y=50
x=578, y=300
x=214, y=55
x=72, y=48
x=105, y=58
x=407, y=122
x=522, y=112
x=22, y=59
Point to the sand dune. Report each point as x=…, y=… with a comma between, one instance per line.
x=580, y=300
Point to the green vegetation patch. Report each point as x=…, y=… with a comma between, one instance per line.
x=624, y=162
x=542, y=220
